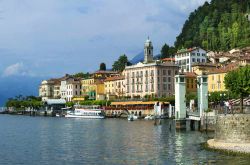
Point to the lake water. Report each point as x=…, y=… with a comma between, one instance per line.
x=46, y=140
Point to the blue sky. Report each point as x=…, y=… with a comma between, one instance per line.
x=53, y=37
x=48, y=38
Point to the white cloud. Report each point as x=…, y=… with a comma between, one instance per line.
x=16, y=69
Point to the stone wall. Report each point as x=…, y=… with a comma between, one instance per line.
x=233, y=128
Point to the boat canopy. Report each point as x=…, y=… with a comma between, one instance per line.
x=137, y=103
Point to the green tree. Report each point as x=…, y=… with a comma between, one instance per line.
x=102, y=66
x=165, y=51
x=121, y=63
x=235, y=33
x=82, y=75
x=238, y=82
x=218, y=25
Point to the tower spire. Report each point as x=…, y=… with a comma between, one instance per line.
x=148, y=51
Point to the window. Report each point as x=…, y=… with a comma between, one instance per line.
x=76, y=86
x=164, y=79
x=169, y=86
x=169, y=79
x=181, y=79
x=218, y=77
x=164, y=86
x=152, y=73
x=169, y=72
x=164, y=72
x=198, y=54
x=187, y=61
x=193, y=59
x=203, y=60
x=198, y=60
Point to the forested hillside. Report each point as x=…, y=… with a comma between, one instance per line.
x=218, y=25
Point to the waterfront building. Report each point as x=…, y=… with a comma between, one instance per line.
x=150, y=78
x=93, y=88
x=73, y=88
x=216, y=77
x=102, y=74
x=185, y=58
x=46, y=89
x=168, y=60
x=56, y=89
x=114, y=87
x=88, y=87
x=191, y=82
x=203, y=68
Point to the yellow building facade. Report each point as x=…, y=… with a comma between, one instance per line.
x=94, y=88
x=114, y=87
x=191, y=86
x=216, y=82
x=216, y=77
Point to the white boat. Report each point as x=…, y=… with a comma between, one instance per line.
x=149, y=117
x=88, y=112
x=132, y=117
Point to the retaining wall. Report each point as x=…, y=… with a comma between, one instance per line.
x=233, y=128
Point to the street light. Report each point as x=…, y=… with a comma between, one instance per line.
x=222, y=104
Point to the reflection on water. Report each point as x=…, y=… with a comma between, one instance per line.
x=40, y=140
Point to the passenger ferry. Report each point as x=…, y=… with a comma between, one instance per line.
x=88, y=112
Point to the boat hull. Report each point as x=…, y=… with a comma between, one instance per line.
x=85, y=117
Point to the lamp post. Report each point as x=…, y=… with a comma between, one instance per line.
x=208, y=94
x=222, y=104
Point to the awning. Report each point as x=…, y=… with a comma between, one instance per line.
x=55, y=101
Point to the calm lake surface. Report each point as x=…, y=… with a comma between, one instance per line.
x=47, y=140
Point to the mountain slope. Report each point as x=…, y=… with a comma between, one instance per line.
x=14, y=86
x=219, y=25
x=140, y=57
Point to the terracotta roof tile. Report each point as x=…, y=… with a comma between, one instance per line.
x=190, y=74
x=115, y=78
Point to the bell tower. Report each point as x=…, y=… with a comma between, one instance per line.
x=148, y=51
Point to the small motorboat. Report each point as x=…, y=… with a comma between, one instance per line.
x=132, y=117
x=149, y=117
